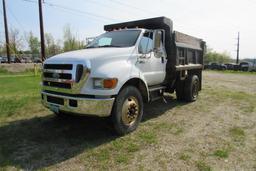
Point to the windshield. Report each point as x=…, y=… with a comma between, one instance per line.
x=123, y=38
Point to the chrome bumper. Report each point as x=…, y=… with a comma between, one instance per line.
x=86, y=106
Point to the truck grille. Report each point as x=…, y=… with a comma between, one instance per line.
x=56, y=84
x=60, y=76
x=58, y=66
x=64, y=77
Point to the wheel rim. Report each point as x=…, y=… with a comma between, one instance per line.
x=195, y=88
x=130, y=111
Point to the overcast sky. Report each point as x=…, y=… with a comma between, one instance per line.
x=216, y=21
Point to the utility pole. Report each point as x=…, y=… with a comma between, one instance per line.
x=6, y=33
x=41, y=30
x=238, y=48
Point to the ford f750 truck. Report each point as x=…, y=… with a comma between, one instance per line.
x=132, y=63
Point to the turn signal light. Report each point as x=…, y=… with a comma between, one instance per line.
x=110, y=83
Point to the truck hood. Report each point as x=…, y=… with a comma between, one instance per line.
x=91, y=55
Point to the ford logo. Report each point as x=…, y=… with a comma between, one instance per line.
x=56, y=75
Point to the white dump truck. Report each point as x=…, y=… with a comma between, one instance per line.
x=132, y=63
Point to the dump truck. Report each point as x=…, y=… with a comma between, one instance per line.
x=131, y=64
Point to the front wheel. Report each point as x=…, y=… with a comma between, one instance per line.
x=127, y=110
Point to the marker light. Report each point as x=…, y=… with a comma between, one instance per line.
x=108, y=83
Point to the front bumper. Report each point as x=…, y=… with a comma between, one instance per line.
x=87, y=106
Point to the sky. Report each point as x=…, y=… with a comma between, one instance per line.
x=216, y=21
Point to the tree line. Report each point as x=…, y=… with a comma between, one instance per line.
x=30, y=42
x=213, y=56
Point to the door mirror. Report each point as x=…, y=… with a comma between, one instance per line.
x=157, y=40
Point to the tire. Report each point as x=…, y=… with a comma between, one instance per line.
x=60, y=114
x=180, y=90
x=127, y=110
x=191, y=88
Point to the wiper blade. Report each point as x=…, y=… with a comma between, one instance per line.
x=88, y=47
x=109, y=46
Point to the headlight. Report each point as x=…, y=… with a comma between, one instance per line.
x=100, y=83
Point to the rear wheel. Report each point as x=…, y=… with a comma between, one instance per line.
x=128, y=110
x=191, y=88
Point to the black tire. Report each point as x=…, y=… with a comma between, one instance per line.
x=117, y=115
x=191, y=88
x=60, y=114
x=180, y=90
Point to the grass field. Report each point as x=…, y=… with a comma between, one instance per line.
x=218, y=132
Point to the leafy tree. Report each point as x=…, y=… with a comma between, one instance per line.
x=70, y=40
x=51, y=47
x=33, y=43
x=15, y=41
x=2, y=49
x=213, y=56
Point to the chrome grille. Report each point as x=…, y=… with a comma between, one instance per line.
x=66, y=78
x=58, y=66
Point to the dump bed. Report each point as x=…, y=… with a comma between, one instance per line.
x=188, y=51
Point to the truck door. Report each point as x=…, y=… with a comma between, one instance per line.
x=152, y=59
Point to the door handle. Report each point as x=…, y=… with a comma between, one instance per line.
x=162, y=58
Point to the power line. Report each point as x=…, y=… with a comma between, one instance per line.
x=132, y=7
x=108, y=6
x=15, y=18
x=100, y=17
x=79, y=11
x=30, y=1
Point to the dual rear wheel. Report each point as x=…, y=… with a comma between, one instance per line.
x=188, y=89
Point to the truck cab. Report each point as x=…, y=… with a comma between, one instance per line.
x=130, y=64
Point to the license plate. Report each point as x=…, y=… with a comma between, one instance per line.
x=54, y=108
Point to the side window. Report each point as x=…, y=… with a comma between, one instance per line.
x=146, y=43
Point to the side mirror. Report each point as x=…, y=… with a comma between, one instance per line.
x=141, y=50
x=157, y=40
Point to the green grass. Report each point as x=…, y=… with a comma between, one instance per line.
x=9, y=106
x=184, y=157
x=3, y=71
x=122, y=158
x=237, y=133
x=19, y=86
x=222, y=153
x=202, y=166
x=18, y=92
x=148, y=137
x=174, y=128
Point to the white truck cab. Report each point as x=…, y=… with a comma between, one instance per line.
x=118, y=72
